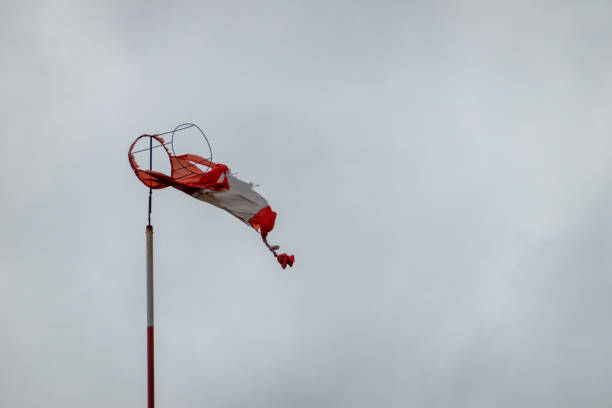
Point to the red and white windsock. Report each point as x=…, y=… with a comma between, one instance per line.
x=216, y=186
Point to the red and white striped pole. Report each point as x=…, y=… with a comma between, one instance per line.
x=150, y=359
x=150, y=369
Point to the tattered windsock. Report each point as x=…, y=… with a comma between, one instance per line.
x=216, y=186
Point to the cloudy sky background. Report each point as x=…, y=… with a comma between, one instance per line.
x=442, y=171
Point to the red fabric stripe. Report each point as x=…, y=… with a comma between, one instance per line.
x=263, y=221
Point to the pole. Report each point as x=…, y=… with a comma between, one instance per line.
x=150, y=348
x=150, y=370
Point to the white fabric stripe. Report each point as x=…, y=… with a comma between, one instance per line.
x=240, y=200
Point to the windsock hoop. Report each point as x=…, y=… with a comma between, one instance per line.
x=181, y=166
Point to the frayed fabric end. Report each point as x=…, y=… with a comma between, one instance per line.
x=285, y=260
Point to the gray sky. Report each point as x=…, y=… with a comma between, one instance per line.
x=441, y=170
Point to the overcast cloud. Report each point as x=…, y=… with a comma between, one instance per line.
x=441, y=169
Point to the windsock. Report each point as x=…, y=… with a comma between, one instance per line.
x=218, y=187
